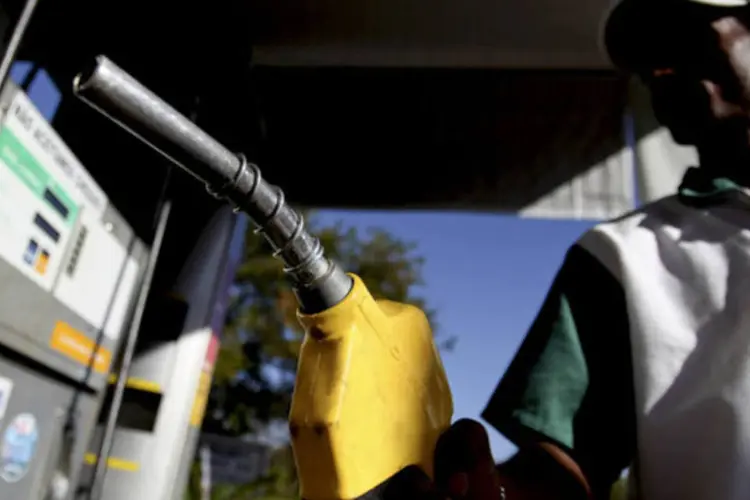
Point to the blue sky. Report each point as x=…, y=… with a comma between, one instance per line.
x=486, y=275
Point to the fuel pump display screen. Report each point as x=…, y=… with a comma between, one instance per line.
x=37, y=212
x=55, y=221
x=42, y=193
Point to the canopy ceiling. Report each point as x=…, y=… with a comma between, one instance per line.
x=443, y=33
x=539, y=34
x=469, y=104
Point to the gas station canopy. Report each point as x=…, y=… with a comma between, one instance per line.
x=501, y=105
x=544, y=34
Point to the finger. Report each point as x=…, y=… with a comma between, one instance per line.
x=410, y=484
x=458, y=485
x=464, y=466
x=461, y=447
x=734, y=40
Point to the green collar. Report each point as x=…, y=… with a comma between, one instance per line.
x=699, y=186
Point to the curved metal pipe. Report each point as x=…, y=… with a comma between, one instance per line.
x=318, y=282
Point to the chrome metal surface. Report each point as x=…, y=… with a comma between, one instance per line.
x=19, y=30
x=318, y=282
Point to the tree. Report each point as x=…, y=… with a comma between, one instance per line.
x=254, y=374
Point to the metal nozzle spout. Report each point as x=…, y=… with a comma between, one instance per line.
x=117, y=95
x=318, y=282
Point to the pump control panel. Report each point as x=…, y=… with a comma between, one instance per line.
x=69, y=263
x=70, y=269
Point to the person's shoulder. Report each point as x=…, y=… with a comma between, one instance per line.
x=657, y=216
x=663, y=210
x=608, y=240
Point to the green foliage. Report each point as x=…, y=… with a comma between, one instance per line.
x=279, y=484
x=254, y=374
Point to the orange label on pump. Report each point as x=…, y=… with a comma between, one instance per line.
x=41, y=262
x=78, y=347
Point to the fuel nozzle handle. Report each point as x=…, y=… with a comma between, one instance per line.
x=318, y=282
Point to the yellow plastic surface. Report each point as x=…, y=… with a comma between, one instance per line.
x=371, y=396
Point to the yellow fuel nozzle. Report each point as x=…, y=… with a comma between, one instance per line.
x=371, y=396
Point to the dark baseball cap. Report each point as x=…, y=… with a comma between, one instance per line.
x=642, y=34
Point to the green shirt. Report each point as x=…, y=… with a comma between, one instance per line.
x=571, y=382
